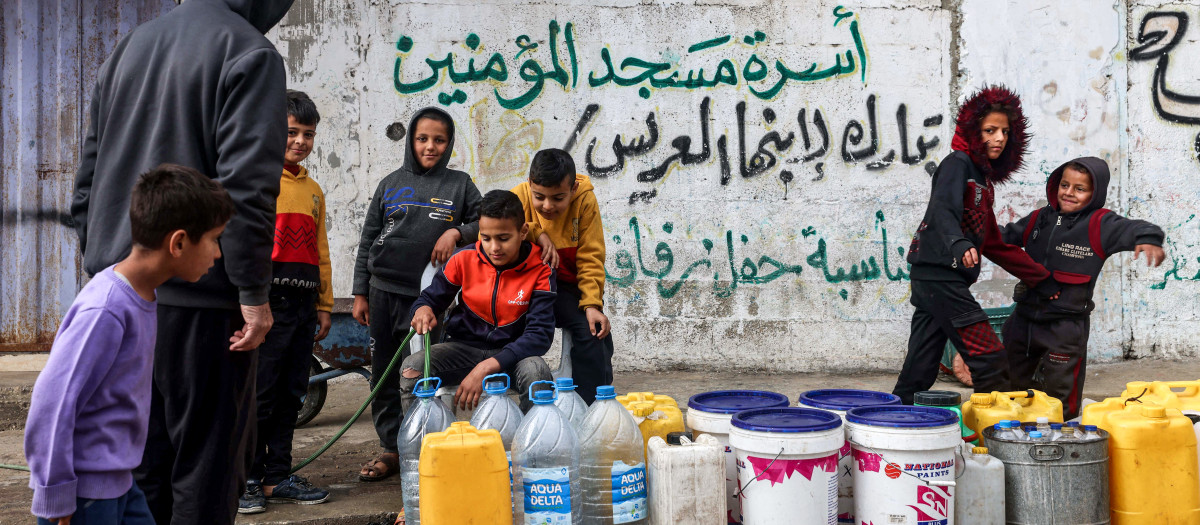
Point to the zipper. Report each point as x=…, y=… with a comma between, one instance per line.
x=495, y=292
x=1050, y=240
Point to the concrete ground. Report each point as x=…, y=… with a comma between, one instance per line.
x=356, y=503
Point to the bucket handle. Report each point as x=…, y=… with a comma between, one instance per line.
x=764, y=471
x=552, y=388
x=931, y=483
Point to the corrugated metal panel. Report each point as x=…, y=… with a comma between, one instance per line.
x=50, y=51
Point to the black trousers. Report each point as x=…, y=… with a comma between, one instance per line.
x=591, y=358
x=391, y=318
x=201, y=432
x=1050, y=356
x=946, y=311
x=283, y=361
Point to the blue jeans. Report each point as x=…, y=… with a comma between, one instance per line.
x=128, y=509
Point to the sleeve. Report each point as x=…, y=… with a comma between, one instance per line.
x=589, y=258
x=469, y=228
x=539, y=324
x=251, y=133
x=946, y=208
x=80, y=198
x=1119, y=234
x=372, y=225
x=445, y=286
x=325, y=290
x=1012, y=258
x=83, y=353
x=1014, y=233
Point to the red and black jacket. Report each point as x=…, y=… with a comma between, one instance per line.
x=959, y=216
x=509, y=307
x=1074, y=246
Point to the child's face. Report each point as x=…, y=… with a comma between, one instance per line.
x=501, y=239
x=994, y=128
x=1074, y=191
x=195, y=258
x=299, y=141
x=552, y=201
x=429, y=142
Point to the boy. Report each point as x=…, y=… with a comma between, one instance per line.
x=90, y=409
x=505, y=321
x=564, y=220
x=1046, y=340
x=301, y=299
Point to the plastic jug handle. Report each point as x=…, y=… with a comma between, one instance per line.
x=1022, y=394
x=500, y=375
x=437, y=383
x=552, y=388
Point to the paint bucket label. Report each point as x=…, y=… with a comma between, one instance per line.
x=902, y=496
x=629, y=492
x=547, y=496
x=800, y=489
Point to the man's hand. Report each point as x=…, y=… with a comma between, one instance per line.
x=445, y=246
x=549, y=252
x=258, y=322
x=324, y=321
x=471, y=388
x=423, y=320
x=361, y=310
x=970, y=258
x=1154, y=254
x=596, y=317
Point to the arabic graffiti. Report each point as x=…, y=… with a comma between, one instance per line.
x=1179, y=270
x=1159, y=34
x=647, y=76
x=629, y=265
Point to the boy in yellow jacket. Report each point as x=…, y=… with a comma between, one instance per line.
x=564, y=219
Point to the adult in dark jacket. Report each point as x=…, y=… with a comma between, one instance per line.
x=202, y=87
x=989, y=144
x=1046, y=340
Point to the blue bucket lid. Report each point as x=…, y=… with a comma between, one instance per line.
x=786, y=419
x=902, y=416
x=845, y=399
x=734, y=401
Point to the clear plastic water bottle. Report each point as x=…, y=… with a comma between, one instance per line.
x=1043, y=425
x=545, y=464
x=427, y=415
x=1036, y=436
x=1068, y=433
x=497, y=410
x=1056, y=433
x=570, y=403
x=1018, y=432
x=1091, y=433
x=613, y=464
x=1004, y=431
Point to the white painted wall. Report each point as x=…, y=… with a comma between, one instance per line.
x=784, y=309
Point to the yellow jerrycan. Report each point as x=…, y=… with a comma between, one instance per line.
x=656, y=415
x=464, y=477
x=1153, y=476
x=984, y=410
x=1180, y=395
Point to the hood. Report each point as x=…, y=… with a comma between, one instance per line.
x=410, y=157
x=584, y=186
x=262, y=14
x=968, y=140
x=299, y=173
x=1100, y=177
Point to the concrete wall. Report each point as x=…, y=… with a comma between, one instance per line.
x=761, y=164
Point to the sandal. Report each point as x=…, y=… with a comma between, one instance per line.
x=400, y=518
x=382, y=467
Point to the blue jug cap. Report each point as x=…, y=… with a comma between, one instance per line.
x=606, y=392
x=845, y=399
x=734, y=401
x=543, y=397
x=901, y=416
x=1056, y=426
x=496, y=384
x=564, y=383
x=786, y=419
x=424, y=390
x=1035, y=434
x=1072, y=423
x=1090, y=428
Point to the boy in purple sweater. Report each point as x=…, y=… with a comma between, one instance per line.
x=88, y=417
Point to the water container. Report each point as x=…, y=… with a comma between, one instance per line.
x=662, y=417
x=1181, y=395
x=1154, y=471
x=710, y=412
x=787, y=461
x=545, y=465
x=497, y=410
x=613, y=465
x=904, y=464
x=839, y=401
x=1061, y=483
x=950, y=401
x=569, y=402
x=686, y=481
x=464, y=477
x=426, y=416
x=985, y=410
x=979, y=489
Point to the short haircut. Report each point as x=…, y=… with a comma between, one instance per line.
x=436, y=116
x=550, y=167
x=302, y=108
x=173, y=197
x=503, y=204
x=1078, y=166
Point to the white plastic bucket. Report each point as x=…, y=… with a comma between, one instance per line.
x=904, y=464
x=787, y=460
x=710, y=412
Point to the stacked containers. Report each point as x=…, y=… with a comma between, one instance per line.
x=710, y=412
x=464, y=477
x=984, y=410
x=1053, y=482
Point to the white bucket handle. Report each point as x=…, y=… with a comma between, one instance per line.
x=764, y=471
x=931, y=483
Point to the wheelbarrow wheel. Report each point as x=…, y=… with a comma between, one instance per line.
x=314, y=399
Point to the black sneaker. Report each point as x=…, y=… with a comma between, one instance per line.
x=252, y=501
x=296, y=489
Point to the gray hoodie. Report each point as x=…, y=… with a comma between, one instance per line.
x=410, y=210
x=202, y=87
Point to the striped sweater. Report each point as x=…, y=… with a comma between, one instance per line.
x=301, y=255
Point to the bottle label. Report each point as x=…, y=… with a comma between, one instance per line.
x=629, y=492
x=547, y=496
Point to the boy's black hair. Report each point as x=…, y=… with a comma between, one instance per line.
x=503, y=204
x=1078, y=166
x=302, y=108
x=550, y=167
x=173, y=197
x=436, y=116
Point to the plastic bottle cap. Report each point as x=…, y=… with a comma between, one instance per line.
x=1043, y=420
x=1035, y=434
x=1090, y=428
x=564, y=383
x=1153, y=411
x=1073, y=424
x=1056, y=426
x=981, y=400
x=606, y=392
x=937, y=398
x=543, y=397
x=979, y=450
x=495, y=387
